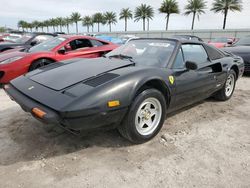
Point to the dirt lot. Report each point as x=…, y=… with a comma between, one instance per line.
x=207, y=145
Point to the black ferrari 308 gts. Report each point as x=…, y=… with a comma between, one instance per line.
x=131, y=88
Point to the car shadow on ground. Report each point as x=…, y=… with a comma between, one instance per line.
x=27, y=139
x=22, y=138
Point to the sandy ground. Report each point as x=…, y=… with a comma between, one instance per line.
x=207, y=145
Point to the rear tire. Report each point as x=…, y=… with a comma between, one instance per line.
x=145, y=117
x=228, y=89
x=39, y=63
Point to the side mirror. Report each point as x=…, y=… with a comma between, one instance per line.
x=33, y=43
x=61, y=51
x=191, y=65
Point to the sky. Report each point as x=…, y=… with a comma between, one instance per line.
x=11, y=11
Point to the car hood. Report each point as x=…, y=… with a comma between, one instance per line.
x=11, y=54
x=238, y=49
x=62, y=75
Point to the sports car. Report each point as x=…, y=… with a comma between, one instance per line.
x=131, y=88
x=241, y=48
x=16, y=63
x=26, y=41
x=222, y=42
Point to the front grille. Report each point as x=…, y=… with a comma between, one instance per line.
x=1, y=74
x=101, y=79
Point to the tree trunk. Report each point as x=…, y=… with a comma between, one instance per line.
x=126, y=24
x=92, y=28
x=144, y=24
x=47, y=29
x=109, y=27
x=76, y=28
x=168, y=15
x=148, y=24
x=60, y=28
x=54, y=29
x=98, y=27
x=68, y=28
x=194, y=14
x=225, y=19
x=88, y=28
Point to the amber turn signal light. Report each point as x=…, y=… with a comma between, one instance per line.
x=39, y=113
x=113, y=103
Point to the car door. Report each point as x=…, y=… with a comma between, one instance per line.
x=218, y=64
x=191, y=85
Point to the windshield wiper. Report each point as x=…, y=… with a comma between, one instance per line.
x=122, y=56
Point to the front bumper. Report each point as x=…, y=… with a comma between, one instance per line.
x=103, y=120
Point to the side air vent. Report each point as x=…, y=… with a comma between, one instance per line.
x=94, y=82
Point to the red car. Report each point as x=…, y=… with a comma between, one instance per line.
x=222, y=42
x=14, y=63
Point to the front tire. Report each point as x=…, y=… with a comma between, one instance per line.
x=145, y=117
x=228, y=89
x=39, y=63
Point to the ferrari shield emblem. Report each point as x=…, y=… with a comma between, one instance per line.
x=171, y=79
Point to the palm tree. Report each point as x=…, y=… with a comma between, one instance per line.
x=226, y=5
x=76, y=17
x=110, y=18
x=22, y=24
x=195, y=7
x=87, y=21
x=30, y=26
x=67, y=22
x=99, y=19
x=126, y=14
x=169, y=7
x=41, y=25
x=53, y=23
x=150, y=12
x=47, y=24
x=143, y=12
x=36, y=25
x=60, y=22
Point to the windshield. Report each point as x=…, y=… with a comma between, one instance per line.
x=145, y=52
x=47, y=45
x=243, y=42
x=23, y=39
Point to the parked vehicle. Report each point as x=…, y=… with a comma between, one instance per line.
x=26, y=41
x=114, y=40
x=131, y=88
x=222, y=42
x=2, y=36
x=241, y=48
x=188, y=37
x=16, y=63
x=127, y=38
x=12, y=37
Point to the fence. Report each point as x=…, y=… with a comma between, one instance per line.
x=206, y=35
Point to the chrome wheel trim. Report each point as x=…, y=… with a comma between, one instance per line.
x=229, y=85
x=148, y=116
